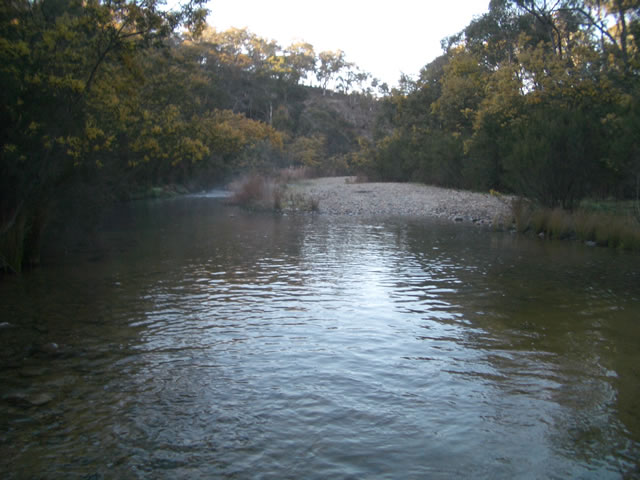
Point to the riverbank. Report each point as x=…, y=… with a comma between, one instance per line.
x=343, y=196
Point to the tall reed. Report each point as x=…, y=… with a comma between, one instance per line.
x=606, y=229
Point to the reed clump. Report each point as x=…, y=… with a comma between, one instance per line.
x=590, y=226
x=522, y=210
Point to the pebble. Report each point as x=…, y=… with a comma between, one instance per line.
x=340, y=196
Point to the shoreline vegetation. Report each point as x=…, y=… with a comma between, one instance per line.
x=540, y=100
x=612, y=224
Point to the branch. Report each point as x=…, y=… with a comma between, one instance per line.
x=596, y=24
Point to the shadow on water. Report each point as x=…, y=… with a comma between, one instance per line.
x=193, y=340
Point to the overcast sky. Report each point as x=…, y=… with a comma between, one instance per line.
x=385, y=38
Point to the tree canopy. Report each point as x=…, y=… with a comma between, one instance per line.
x=534, y=97
x=104, y=97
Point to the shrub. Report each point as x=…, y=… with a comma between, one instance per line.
x=266, y=193
x=521, y=210
x=257, y=192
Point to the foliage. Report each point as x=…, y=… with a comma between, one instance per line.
x=534, y=98
x=54, y=59
x=102, y=99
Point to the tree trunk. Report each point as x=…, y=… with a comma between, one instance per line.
x=623, y=32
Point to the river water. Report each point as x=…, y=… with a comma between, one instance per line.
x=196, y=340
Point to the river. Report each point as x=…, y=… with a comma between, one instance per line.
x=190, y=339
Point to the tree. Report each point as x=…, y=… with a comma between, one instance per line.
x=300, y=60
x=53, y=55
x=330, y=64
x=534, y=97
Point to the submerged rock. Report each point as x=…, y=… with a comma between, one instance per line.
x=52, y=350
x=29, y=399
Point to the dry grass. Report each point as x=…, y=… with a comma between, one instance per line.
x=585, y=225
x=559, y=224
x=606, y=229
x=258, y=192
x=522, y=210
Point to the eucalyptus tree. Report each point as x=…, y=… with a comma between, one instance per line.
x=329, y=66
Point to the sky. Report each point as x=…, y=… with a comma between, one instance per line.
x=384, y=38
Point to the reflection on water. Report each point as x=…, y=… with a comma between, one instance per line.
x=200, y=341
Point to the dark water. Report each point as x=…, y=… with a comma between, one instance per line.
x=199, y=341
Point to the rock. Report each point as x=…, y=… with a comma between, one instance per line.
x=29, y=399
x=39, y=399
x=50, y=348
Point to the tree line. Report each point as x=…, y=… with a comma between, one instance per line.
x=536, y=97
x=101, y=98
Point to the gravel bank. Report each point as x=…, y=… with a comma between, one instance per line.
x=340, y=196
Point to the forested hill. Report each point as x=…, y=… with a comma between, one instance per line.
x=102, y=98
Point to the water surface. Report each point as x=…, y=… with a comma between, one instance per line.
x=195, y=340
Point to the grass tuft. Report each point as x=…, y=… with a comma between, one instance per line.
x=602, y=226
x=521, y=210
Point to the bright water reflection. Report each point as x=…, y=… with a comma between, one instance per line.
x=198, y=341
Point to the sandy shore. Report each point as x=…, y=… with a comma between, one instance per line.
x=341, y=196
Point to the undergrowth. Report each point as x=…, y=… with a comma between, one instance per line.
x=270, y=193
x=599, y=226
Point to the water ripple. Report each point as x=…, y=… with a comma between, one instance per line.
x=331, y=349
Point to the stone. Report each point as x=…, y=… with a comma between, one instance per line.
x=29, y=399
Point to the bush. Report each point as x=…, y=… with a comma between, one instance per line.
x=554, y=155
x=257, y=192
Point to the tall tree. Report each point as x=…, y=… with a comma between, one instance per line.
x=329, y=65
